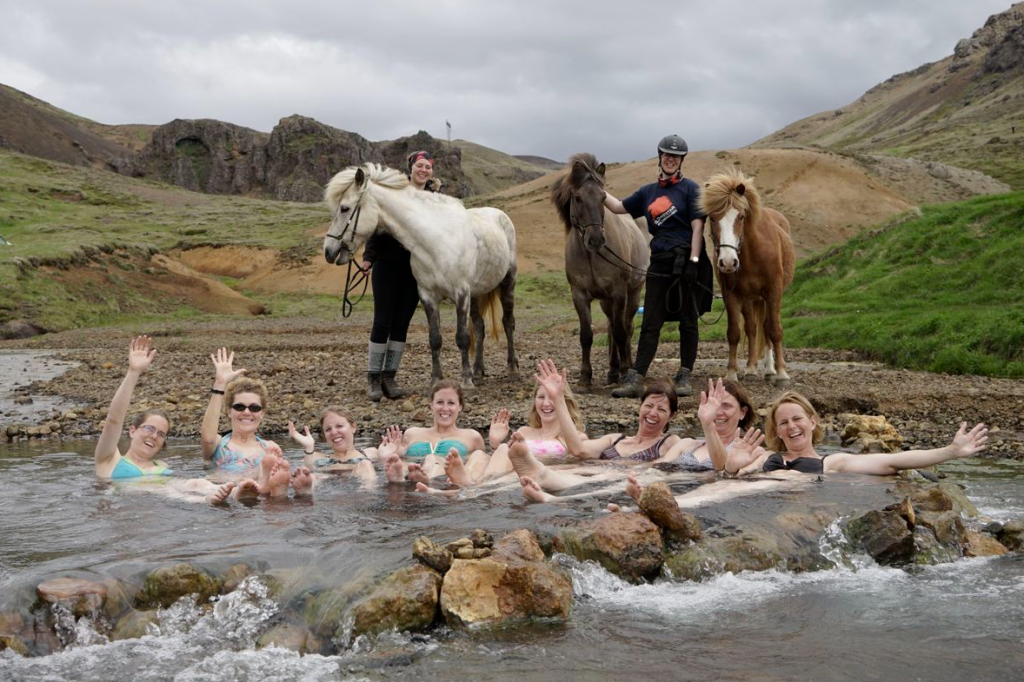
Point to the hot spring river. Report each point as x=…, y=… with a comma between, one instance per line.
x=956, y=621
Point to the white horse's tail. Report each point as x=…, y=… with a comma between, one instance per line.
x=488, y=304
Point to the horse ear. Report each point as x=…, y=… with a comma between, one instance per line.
x=740, y=189
x=360, y=177
x=600, y=169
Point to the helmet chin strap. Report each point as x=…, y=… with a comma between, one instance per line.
x=666, y=180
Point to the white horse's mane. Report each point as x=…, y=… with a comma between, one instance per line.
x=340, y=183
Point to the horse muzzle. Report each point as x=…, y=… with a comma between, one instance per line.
x=338, y=255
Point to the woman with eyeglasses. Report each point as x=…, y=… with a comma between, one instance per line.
x=395, y=294
x=147, y=436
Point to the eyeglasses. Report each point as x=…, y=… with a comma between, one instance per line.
x=253, y=408
x=153, y=431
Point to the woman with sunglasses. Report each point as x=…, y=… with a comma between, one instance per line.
x=395, y=294
x=147, y=436
x=241, y=400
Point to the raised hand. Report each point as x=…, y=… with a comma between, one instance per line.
x=499, y=428
x=711, y=401
x=548, y=376
x=222, y=364
x=746, y=448
x=969, y=443
x=140, y=354
x=306, y=439
x=392, y=441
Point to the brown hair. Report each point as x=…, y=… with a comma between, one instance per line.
x=141, y=418
x=663, y=388
x=533, y=419
x=340, y=411
x=244, y=385
x=442, y=384
x=771, y=433
x=736, y=390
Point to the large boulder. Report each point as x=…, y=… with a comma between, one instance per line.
x=947, y=526
x=494, y=592
x=659, y=504
x=405, y=600
x=168, y=584
x=978, y=545
x=884, y=535
x=870, y=433
x=519, y=545
x=625, y=543
x=945, y=496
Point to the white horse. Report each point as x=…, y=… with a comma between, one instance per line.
x=465, y=256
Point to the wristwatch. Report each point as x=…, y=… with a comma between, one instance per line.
x=694, y=259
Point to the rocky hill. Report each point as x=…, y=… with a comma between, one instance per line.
x=964, y=110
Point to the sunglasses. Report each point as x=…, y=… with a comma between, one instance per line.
x=153, y=431
x=253, y=408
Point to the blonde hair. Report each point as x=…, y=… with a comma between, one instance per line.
x=771, y=433
x=244, y=385
x=533, y=419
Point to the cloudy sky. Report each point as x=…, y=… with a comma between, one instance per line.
x=545, y=77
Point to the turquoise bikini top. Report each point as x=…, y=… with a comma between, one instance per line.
x=126, y=468
x=420, y=449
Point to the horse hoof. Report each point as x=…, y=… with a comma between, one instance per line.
x=749, y=377
x=782, y=382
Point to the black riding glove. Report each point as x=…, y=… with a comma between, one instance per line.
x=690, y=273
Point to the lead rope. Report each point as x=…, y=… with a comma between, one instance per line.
x=352, y=282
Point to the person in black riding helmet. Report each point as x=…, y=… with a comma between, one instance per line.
x=395, y=294
x=679, y=280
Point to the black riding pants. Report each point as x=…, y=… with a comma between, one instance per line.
x=395, y=297
x=666, y=299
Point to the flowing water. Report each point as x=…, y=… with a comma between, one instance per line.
x=853, y=623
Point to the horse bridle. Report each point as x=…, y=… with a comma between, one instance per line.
x=719, y=246
x=361, y=277
x=353, y=219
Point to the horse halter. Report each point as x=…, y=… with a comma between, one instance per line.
x=719, y=246
x=353, y=219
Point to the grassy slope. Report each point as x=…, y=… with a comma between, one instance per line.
x=941, y=292
x=489, y=170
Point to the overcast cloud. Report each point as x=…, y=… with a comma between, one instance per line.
x=522, y=76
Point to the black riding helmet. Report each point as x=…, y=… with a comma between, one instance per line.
x=673, y=144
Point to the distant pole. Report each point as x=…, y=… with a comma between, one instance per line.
x=449, y=125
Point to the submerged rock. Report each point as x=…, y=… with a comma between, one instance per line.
x=14, y=643
x=134, y=625
x=405, y=600
x=290, y=636
x=81, y=597
x=978, y=545
x=1011, y=535
x=626, y=543
x=714, y=556
x=168, y=584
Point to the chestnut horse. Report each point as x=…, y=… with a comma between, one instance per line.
x=754, y=262
x=606, y=256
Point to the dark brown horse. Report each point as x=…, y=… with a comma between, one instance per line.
x=754, y=261
x=606, y=256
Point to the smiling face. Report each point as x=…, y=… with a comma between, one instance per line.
x=245, y=421
x=729, y=416
x=148, y=438
x=421, y=171
x=339, y=432
x=670, y=163
x=543, y=407
x=655, y=414
x=794, y=427
x=445, y=406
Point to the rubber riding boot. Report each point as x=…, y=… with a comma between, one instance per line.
x=632, y=386
x=373, y=392
x=392, y=391
x=682, y=380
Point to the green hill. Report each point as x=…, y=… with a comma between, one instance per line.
x=941, y=292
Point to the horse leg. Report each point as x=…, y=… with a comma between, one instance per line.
x=613, y=311
x=732, y=309
x=430, y=307
x=581, y=301
x=478, y=336
x=773, y=329
x=507, y=291
x=751, y=322
x=462, y=306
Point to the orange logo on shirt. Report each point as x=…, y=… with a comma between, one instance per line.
x=659, y=206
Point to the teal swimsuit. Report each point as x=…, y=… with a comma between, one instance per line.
x=419, y=450
x=226, y=458
x=125, y=468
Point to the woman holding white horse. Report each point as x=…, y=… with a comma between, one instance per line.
x=679, y=279
x=395, y=295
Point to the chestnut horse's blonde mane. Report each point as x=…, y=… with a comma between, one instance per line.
x=723, y=191
x=340, y=183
